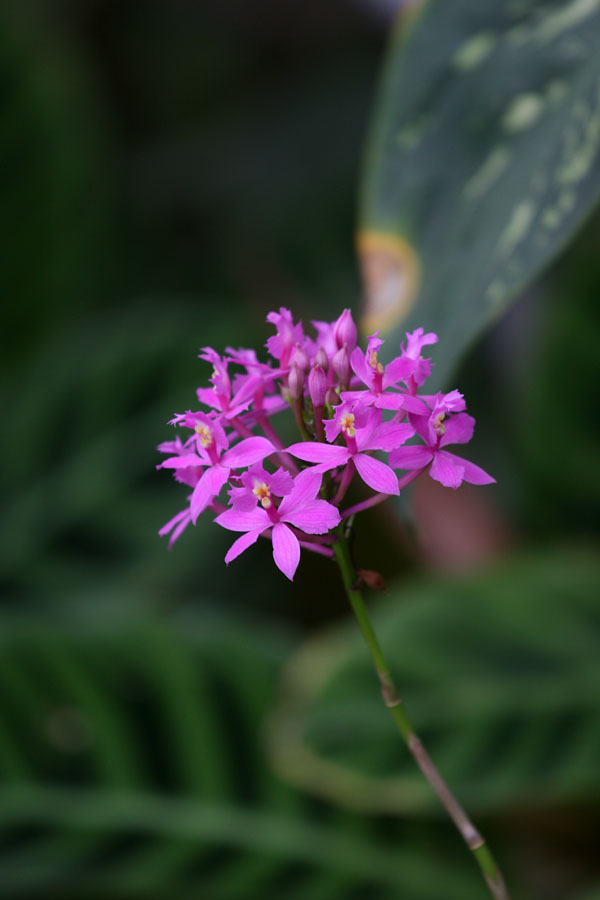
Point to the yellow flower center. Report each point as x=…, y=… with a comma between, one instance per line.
x=347, y=424
x=205, y=433
x=262, y=494
x=375, y=365
x=437, y=424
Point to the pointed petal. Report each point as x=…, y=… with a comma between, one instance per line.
x=241, y=544
x=415, y=456
x=389, y=436
x=247, y=452
x=207, y=489
x=306, y=487
x=313, y=451
x=360, y=367
x=173, y=522
x=459, y=429
x=286, y=550
x=181, y=462
x=243, y=520
x=376, y=474
x=447, y=469
x=472, y=473
x=315, y=517
x=399, y=369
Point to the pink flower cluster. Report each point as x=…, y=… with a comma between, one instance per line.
x=348, y=406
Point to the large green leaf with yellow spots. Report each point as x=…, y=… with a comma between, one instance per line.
x=483, y=159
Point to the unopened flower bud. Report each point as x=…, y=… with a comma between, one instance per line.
x=296, y=381
x=317, y=385
x=345, y=331
x=300, y=358
x=341, y=365
x=321, y=359
x=332, y=398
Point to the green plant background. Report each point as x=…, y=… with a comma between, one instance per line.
x=170, y=727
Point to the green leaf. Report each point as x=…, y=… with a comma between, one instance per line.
x=483, y=158
x=499, y=673
x=130, y=764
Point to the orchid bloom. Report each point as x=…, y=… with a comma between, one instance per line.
x=312, y=375
x=377, y=377
x=363, y=432
x=211, y=441
x=300, y=508
x=446, y=424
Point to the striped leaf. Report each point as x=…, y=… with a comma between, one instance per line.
x=483, y=158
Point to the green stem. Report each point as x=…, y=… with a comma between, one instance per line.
x=471, y=836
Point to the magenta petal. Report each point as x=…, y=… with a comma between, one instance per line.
x=313, y=451
x=414, y=405
x=207, y=489
x=315, y=517
x=306, y=487
x=389, y=400
x=181, y=462
x=286, y=550
x=244, y=520
x=208, y=397
x=173, y=522
x=459, y=429
x=241, y=544
x=389, y=436
x=447, y=469
x=415, y=456
x=472, y=473
x=376, y=474
x=247, y=452
x=399, y=369
x=360, y=367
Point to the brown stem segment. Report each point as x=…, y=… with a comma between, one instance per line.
x=471, y=836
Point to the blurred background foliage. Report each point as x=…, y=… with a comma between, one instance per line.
x=171, y=172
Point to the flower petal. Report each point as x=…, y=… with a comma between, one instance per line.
x=389, y=436
x=286, y=550
x=360, y=367
x=241, y=544
x=306, y=487
x=472, y=473
x=247, y=452
x=447, y=469
x=376, y=474
x=315, y=517
x=181, y=462
x=415, y=456
x=244, y=520
x=459, y=429
x=207, y=489
x=314, y=451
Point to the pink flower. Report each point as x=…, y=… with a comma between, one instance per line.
x=258, y=486
x=438, y=430
x=281, y=344
x=363, y=432
x=411, y=364
x=377, y=378
x=210, y=442
x=299, y=508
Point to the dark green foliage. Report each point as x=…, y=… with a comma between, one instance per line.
x=132, y=766
x=499, y=673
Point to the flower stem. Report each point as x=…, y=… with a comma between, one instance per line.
x=471, y=836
